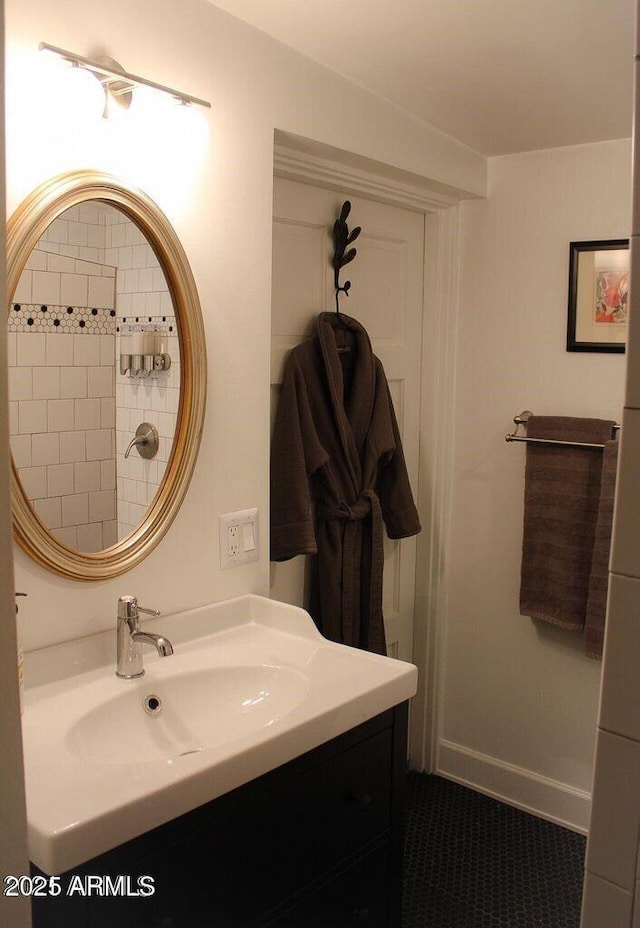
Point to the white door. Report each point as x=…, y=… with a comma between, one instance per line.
x=386, y=297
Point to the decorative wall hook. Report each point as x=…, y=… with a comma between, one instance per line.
x=342, y=237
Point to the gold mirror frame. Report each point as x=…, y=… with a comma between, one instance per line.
x=24, y=230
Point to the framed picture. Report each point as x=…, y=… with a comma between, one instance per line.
x=598, y=295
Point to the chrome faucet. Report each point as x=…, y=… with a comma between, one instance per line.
x=131, y=638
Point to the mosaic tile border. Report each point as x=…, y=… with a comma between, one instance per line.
x=165, y=321
x=70, y=320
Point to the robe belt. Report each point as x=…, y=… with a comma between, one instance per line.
x=368, y=506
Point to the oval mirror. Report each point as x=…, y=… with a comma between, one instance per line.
x=107, y=375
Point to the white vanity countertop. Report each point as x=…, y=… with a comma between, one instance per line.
x=99, y=771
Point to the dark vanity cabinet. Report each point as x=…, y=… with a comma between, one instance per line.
x=316, y=843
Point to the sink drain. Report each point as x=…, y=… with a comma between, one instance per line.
x=152, y=704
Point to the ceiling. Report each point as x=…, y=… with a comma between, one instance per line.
x=499, y=75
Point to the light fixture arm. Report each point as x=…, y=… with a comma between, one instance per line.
x=124, y=81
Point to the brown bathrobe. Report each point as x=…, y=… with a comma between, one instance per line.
x=338, y=471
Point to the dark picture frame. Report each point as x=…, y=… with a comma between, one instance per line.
x=598, y=296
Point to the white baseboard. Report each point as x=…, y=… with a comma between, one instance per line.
x=539, y=795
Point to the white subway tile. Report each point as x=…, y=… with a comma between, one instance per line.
x=109, y=533
x=71, y=250
x=86, y=350
x=74, y=289
x=50, y=511
x=73, y=383
x=150, y=472
x=615, y=810
x=101, y=292
x=134, y=466
x=11, y=349
x=23, y=292
x=132, y=280
x=100, y=444
x=159, y=280
x=45, y=448
x=90, y=537
x=133, y=235
x=167, y=424
x=45, y=287
x=108, y=474
x=605, y=905
x=152, y=304
x=38, y=260
x=146, y=281
x=60, y=263
x=68, y=536
x=75, y=509
x=21, y=450
x=139, y=256
x=95, y=237
x=34, y=481
x=102, y=506
x=137, y=513
x=87, y=477
x=30, y=349
x=125, y=259
x=61, y=415
x=118, y=235
x=21, y=383
x=138, y=305
x=108, y=412
x=78, y=234
x=60, y=480
x=107, y=349
x=72, y=447
x=59, y=350
x=14, y=424
x=87, y=414
x=46, y=383
x=32, y=416
x=173, y=402
x=100, y=382
x=91, y=213
x=58, y=231
x=130, y=492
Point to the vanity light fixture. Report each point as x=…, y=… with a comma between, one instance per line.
x=119, y=86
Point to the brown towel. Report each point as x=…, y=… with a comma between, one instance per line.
x=562, y=494
x=599, y=583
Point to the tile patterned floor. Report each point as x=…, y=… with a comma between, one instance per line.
x=473, y=862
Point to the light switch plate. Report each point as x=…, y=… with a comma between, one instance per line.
x=239, y=540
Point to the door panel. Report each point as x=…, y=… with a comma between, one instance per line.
x=386, y=297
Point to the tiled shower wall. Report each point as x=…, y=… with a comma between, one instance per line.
x=142, y=298
x=71, y=423
x=61, y=381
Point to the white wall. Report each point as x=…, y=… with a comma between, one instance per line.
x=219, y=200
x=519, y=700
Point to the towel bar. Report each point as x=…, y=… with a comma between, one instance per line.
x=523, y=418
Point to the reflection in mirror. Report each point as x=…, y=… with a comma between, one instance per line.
x=91, y=287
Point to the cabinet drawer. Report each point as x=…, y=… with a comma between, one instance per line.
x=358, y=897
x=273, y=847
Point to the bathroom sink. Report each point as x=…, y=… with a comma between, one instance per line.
x=251, y=685
x=186, y=713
